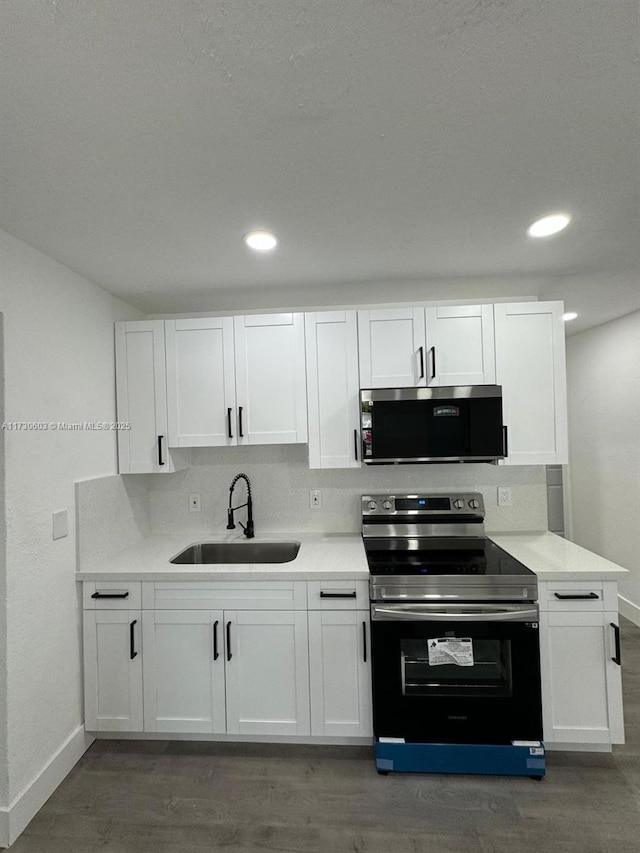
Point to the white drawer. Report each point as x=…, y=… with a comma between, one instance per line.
x=111, y=595
x=572, y=595
x=224, y=595
x=338, y=595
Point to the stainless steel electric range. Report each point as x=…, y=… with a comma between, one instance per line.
x=455, y=648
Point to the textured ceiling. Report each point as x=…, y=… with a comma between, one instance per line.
x=384, y=141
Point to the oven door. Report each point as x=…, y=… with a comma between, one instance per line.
x=464, y=673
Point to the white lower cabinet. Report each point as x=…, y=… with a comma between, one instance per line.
x=241, y=672
x=340, y=673
x=581, y=682
x=112, y=670
x=184, y=689
x=200, y=670
x=267, y=672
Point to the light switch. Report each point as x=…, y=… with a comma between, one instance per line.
x=60, y=524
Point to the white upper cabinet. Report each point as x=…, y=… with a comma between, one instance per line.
x=142, y=400
x=409, y=347
x=460, y=344
x=389, y=346
x=236, y=380
x=333, y=389
x=201, y=386
x=271, y=391
x=530, y=366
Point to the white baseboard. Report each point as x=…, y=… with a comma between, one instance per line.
x=629, y=610
x=28, y=803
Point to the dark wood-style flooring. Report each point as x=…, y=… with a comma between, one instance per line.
x=186, y=797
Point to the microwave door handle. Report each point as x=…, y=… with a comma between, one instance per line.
x=388, y=613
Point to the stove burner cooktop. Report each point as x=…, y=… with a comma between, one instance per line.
x=435, y=557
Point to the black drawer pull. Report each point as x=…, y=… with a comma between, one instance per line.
x=110, y=595
x=364, y=640
x=241, y=434
x=421, y=351
x=572, y=596
x=433, y=362
x=132, y=639
x=229, y=433
x=228, y=640
x=337, y=594
x=355, y=444
x=160, y=457
x=618, y=658
x=215, y=640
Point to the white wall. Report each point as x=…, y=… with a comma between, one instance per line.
x=59, y=366
x=281, y=479
x=4, y=770
x=603, y=378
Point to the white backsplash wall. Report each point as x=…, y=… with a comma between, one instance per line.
x=112, y=513
x=281, y=480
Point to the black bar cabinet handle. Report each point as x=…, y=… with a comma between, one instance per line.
x=364, y=640
x=616, y=630
x=355, y=444
x=571, y=596
x=229, y=433
x=324, y=594
x=421, y=351
x=132, y=640
x=160, y=459
x=215, y=640
x=110, y=595
x=240, y=422
x=433, y=362
x=228, y=640
x=505, y=441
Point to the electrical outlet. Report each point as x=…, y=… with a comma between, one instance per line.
x=315, y=499
x=194, y=502
x=504, y=496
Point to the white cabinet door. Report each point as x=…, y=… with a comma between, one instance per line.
x=391, y=346
x=142, y=400
x=201, y=385
x=340, y=673
x=460, y=342
x=530, y=366
x=270, y=379
x=183, y=671
x=267, y=672
x=112, y=671
x=333, y=389
x=581, y=685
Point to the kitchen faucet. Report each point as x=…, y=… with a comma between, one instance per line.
x=248, y=529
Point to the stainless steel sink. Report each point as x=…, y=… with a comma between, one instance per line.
x=237, y=552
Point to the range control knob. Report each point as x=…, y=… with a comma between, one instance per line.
x=387, y=504
x=372, y=505
x=474, y=504
x=458, y=503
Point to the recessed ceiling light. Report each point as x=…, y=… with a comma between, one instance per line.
x=549, y=225
x=570, y=315
x=260, y=241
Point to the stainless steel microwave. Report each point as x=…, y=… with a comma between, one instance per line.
x=460, y=423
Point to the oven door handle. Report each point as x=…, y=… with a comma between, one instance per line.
x=381, y=614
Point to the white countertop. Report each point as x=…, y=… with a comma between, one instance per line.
x=553, y=558
x=333, y=556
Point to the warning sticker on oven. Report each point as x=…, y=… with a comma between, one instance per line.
x=452, y=650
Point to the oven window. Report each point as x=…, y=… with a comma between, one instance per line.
x=486, y=670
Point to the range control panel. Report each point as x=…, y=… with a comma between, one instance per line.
x=424, y=504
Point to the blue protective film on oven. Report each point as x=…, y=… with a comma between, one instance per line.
x=486, y=759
